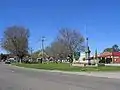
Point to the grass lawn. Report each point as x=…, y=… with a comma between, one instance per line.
x=67, y=67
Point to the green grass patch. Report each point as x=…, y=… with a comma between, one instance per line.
x=67, y=67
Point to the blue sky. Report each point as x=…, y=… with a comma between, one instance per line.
x=46, y=17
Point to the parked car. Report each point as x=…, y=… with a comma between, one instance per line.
x=7, y=62
x=12, y=60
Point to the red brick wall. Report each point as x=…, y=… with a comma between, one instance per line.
x=117, y=60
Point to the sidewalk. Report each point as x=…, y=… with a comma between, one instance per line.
x=115, y=75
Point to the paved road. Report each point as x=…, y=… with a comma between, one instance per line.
x=12, y=78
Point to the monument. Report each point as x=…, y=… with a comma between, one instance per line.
x=87, y=52
x=85, y=58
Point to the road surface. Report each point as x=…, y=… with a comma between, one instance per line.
x=12, y=78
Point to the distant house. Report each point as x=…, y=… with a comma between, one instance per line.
x=6, y=56
x=114, y=56
x=11, y=56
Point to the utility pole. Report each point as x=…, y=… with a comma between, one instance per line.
x=43, y=39
x=31, y=51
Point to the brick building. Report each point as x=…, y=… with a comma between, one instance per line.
x=114, y=56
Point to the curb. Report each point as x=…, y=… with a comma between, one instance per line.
x=93, y=74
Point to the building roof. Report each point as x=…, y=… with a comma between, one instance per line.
x=116, y=53
x=105, y=54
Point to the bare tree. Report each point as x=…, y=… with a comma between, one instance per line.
x=15, y=40
x=59, y=49
x=68, y=41
x=72, y=39
x=49, y=50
